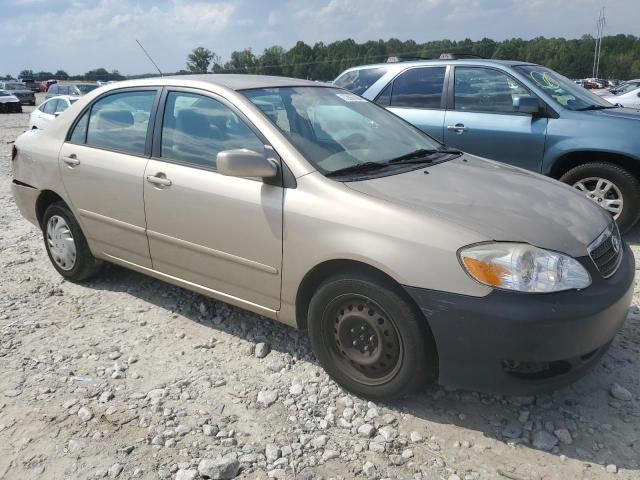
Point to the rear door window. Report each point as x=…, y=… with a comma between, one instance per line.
x=120, y=121
x=419, y=88
x=359, y=81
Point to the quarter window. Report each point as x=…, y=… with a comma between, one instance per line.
x=418, y=88
x=196, y=128
x=120, y=121
x=485, y=90
x=79, y=134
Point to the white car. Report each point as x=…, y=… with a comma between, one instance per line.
x=49, y=110
x=9, y=103
x=626, y=94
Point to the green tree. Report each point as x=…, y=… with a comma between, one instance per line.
x=25, y=74
x=61, y=75
x=199, y=59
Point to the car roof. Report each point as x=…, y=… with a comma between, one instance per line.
x=229, y=81
x=401, y=65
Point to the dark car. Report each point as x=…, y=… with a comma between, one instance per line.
x=18, y=89
x=73, y=89
x=30, y=83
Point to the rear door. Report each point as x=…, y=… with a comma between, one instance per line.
x=218, y=232
x=417, y=96
x=103, y=163
x=483, y=121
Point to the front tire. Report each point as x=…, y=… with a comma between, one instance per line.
x=370, y=339
x=66, y=245
x=610, y=186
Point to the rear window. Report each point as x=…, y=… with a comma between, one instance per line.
x=358, y=81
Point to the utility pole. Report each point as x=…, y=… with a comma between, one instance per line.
x=598, y=48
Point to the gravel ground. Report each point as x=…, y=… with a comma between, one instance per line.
x=128, y=377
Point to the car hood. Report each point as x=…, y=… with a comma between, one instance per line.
x=624, y=113
x=13, y=92
x=500, y=202
x=9, y=98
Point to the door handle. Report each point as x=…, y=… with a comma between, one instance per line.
x=160, y=180
x=458, y=128
x=71, y=160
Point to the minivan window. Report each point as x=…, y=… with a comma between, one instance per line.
x=485, y=90
x=335, y=129
x=358, y=81
x=119, y=121
x=418, y=88
x=196, y=128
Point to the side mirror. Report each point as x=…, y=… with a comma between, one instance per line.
x=245, y=163
x=55, y=114
x=526, y=104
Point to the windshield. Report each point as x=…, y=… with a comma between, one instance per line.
x=84, y=89
x=561, y=89
x=625, y=87
x=335, y=129
x=359, y=81
x=13, y=86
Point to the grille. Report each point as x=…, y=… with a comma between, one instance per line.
x=606, y=251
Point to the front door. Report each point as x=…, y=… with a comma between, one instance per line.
x=221, y=233
x=484, y=122
x=102, y=164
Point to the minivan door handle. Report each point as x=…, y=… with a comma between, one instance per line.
x=71, y=160
x=458, y=128
x=160, y=180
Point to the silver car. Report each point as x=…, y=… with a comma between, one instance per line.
x=406, y=261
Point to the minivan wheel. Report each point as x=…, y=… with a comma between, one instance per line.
x=610, y=186
x=369, y=339
x=66, y=244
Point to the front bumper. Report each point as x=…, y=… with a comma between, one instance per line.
x=521, y=344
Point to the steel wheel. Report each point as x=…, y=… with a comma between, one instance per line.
x=61, y=243
x=603, y=192
x=363, y=338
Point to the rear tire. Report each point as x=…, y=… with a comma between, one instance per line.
x=370, y=339
x=66, y=245
x=623, y=185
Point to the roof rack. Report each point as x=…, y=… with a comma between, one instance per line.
x=456, y=56
x=402, y=58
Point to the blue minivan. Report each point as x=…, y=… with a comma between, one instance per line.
x=518, y=113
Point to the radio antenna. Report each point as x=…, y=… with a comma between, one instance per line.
x=149, y=57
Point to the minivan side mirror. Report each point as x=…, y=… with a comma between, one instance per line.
x=526, y=104
x=245, y=163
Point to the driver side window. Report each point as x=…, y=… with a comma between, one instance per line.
x=485, y=90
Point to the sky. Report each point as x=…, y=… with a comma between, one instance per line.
x=80, y=35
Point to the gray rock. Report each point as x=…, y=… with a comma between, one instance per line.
x=388, y=433
x=277, y=473
x=366, y=431
x=221, y=468
x=106, y=396
x=70, y=403
x=115, y=470
x=76, y=444
x=210, y=430
x=114, y=355
x=611, y=468
x=296, y=389
x=583, y=453
x=543, y=440
x=14, y=392
x=186, y=474
x=266, y=398
x=396, y=459
x=512, y=430
x=262, y=350
x=369, y=470
x=564, y=436
x=453, y=476
x=85, y=414
x=320, y=441
x=330, y=454
x=621, y=393
x=416, y=437
x=272, y=452
x=164, y=472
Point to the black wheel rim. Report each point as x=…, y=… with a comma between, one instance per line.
x=363, y=339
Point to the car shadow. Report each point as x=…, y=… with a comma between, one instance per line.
x=585, y=409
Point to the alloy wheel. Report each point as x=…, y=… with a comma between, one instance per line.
x=603, y=192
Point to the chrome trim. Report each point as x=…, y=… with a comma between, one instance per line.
x=111, y=221
x=609, y=231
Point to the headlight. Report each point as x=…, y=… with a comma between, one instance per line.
x=522, y=267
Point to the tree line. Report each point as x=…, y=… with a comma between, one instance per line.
x=572, y=57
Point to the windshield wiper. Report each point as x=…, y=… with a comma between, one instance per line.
x=421, y=155
x=358, y=168
x=596, y=107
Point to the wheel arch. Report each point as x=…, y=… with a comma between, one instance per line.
x=46, y=198
x=570, y=160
